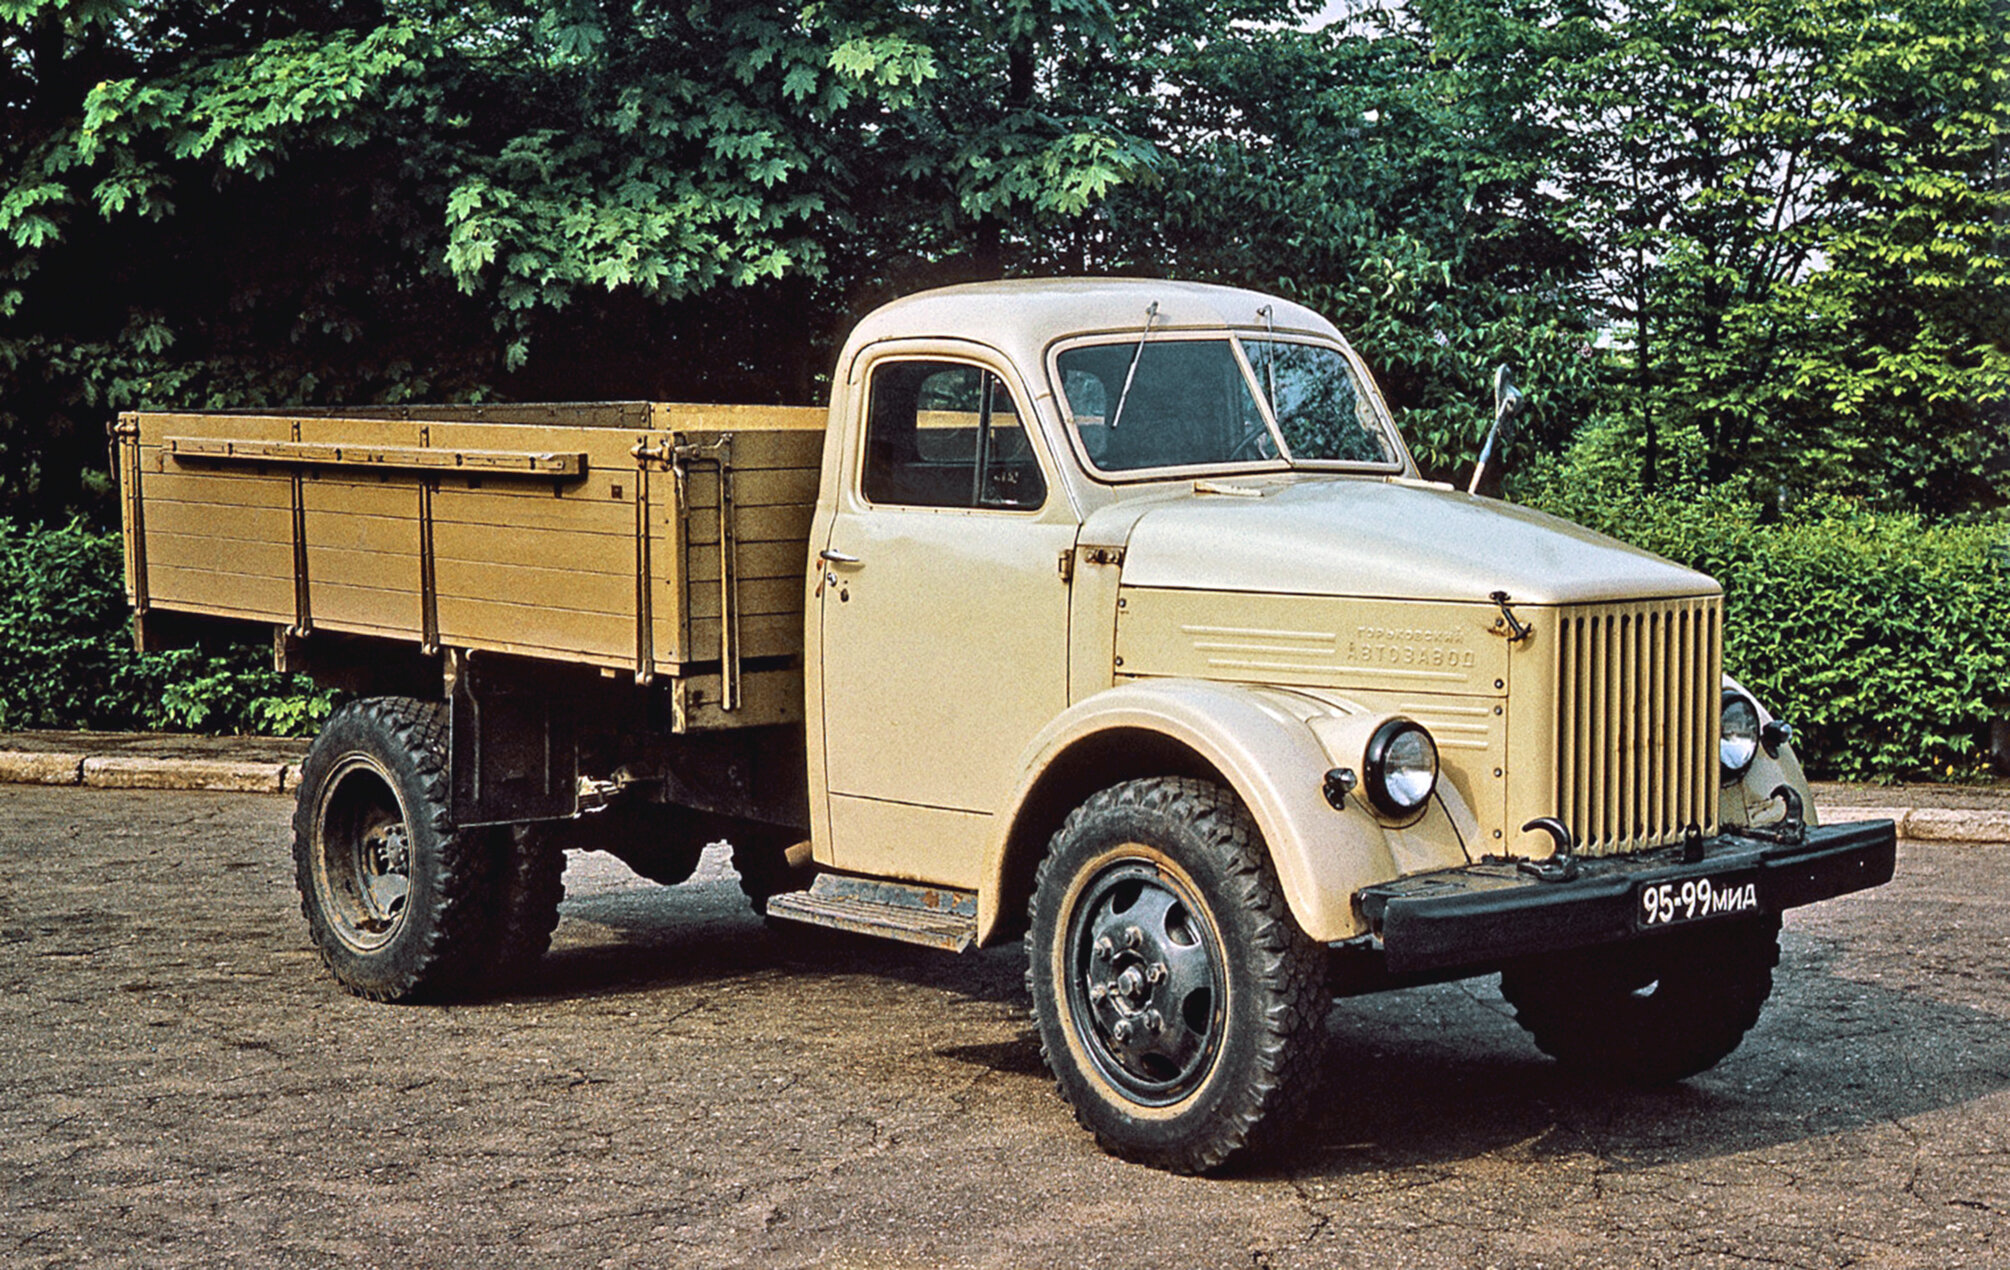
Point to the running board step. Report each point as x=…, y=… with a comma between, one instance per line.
x=939, y=917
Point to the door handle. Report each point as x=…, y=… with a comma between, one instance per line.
x=838, y=557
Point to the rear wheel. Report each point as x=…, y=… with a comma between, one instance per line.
x=394, y=897
x=1178, y=1004
x=529, y=884
x=1650, y=1012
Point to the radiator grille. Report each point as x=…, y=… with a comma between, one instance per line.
x=1637, y=705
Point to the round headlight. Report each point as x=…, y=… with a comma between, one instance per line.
x=1740, y=736
x=1402, y=763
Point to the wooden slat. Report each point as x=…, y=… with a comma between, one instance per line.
x=386, y=535
x=756, y=560
x=217, y=488
x=394, y=496
x=346, y=604
x=758, y=597
x=536, y=548
x=202, y=554
x=387, y=570
x=243, y=523
x=260, y=598
x=774, y=429
x=773, y=487
x=770, y=635
x=757, y=524
x=605, y=594
x=562, y=632
x=488, y=507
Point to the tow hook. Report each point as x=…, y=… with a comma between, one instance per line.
x=1792, y=828
x=1560, y=867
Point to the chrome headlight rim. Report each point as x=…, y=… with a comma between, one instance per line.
x=1739, y=729
x=1401, y=768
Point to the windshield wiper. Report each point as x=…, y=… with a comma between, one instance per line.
x=1151, y=315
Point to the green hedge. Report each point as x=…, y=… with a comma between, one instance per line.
x=67, y=658
x=1883, y=639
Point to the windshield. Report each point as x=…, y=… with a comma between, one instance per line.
x=1190, y=404
x=1324, y=412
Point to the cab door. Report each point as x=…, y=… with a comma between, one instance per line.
x=944, y=616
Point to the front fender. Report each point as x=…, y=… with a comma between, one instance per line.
x=1751, y=801
x=1263, y=744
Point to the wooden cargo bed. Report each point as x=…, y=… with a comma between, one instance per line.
x=590, y=533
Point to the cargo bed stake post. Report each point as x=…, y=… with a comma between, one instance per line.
x=429, y=584
x=126, y=463
x=303, y=605
x=645, y=619
x=718, y=455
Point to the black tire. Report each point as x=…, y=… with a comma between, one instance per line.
x=1650, y=1012
x=1193, y=1035
x=529, y=884
x=395, y=899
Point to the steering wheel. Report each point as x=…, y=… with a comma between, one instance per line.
x=1250, y=440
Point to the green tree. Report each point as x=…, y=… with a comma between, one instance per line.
x=219, y=204
x=1792, y=214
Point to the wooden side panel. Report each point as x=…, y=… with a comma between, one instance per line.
x=362, y=551
x=373, y=537
x=774, y=491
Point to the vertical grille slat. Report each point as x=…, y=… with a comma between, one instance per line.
x=1636, y=722
x=1666, y=774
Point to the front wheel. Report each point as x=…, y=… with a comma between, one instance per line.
x=1178, y=1004
x=1651, y=1012
x=393, y=895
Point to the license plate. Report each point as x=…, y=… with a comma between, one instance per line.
x=1660, y=904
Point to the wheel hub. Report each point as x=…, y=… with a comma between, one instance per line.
x=1148, y=978
x=362, y=855
x=384, y=869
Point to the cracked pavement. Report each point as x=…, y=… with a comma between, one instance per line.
x=182, y=1085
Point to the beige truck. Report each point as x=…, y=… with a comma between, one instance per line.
x=1107, y=614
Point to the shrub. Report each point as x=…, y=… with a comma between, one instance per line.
x=67, y=657
x=1885, y=640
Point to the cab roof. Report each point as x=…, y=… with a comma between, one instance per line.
x=1024, y=315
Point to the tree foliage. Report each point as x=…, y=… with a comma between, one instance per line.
x=1792, y=212
x=1752, y=241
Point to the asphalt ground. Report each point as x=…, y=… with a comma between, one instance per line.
x=182, y=1085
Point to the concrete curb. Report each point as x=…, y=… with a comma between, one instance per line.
x=125, y=771
x=1930, y=824
x=26, y=767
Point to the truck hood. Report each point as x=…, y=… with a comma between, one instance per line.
x=1350, y=536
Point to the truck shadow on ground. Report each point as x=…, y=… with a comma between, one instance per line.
x=703, y=931
x=1413, y=1080
x=1428, y=1077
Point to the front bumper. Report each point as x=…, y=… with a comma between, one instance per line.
x=1484, y=914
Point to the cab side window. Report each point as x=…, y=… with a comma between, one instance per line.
x=945, y=434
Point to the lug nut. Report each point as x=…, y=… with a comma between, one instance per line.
x=1155, y=973
x=1154, y=1022
x=1120, y=1031
x=1098, y=992
x=1105, y=949
x=1133, y=937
